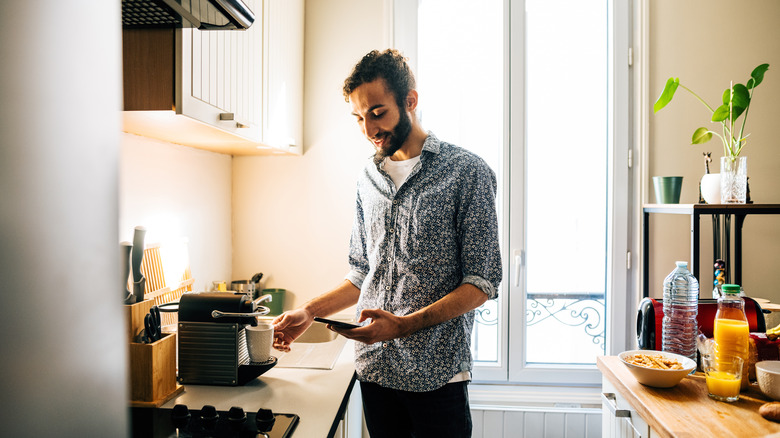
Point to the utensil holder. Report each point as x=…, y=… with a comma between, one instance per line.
x=153, y=372
x=134, y=317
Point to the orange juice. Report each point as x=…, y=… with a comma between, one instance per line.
x=722, y=384
x=731, y=328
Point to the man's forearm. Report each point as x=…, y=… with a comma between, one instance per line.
x=464, y=298
x=343, y=296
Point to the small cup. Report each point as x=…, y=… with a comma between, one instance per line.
x=724, y=375
x=220, y=286
x=258, y=341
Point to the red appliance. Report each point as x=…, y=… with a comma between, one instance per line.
x=651, y=315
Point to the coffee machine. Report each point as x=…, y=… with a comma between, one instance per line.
x=211, y=336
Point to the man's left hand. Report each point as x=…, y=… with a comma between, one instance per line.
x=383, y=326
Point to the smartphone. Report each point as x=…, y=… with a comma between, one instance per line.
x=336, y=324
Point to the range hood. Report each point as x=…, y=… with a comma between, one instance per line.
x=200, y=14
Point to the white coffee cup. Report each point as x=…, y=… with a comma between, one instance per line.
x=258, y=341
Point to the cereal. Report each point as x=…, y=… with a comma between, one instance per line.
x=655, y=361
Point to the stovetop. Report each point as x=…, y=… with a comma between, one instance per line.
x=209, y=422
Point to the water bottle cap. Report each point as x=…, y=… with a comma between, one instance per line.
x=730, y=288
x=681, y=264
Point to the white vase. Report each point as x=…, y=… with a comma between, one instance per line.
x=733, y=180
x=710, y=188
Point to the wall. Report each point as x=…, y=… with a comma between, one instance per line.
x=707, y=43
x=63, y=370
x=293, y=215
x=176, y=191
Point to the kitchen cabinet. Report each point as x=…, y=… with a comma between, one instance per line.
x=235, y=92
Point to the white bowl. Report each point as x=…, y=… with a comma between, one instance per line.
x=768, y=375
x=658, y=378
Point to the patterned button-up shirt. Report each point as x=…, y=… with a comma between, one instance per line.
x=412, y=246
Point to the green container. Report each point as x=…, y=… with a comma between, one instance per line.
x=667, y=189
x=276, y=305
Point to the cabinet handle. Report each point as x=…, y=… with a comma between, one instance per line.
x=226, y=116
x=610, y=401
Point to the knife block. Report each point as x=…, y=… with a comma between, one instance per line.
x=153, y=372
x=134, y=317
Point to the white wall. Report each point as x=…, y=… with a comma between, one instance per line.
x=293, y=215
x=707, y=43
x=176, y=191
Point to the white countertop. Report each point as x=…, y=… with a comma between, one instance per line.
x=314, y=395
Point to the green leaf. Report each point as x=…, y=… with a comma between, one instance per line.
x=741, y=96
x=701, y=135
x=726, y=96
x=721, y=113
x=758, y=75
x=667, y=94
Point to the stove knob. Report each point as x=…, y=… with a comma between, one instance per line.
x=180, y=416
x=236, y=417
x=264, y=420
x=209, y=416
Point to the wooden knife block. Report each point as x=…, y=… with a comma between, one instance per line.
x=152, y=366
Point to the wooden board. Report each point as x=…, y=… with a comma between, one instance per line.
x=686, y=410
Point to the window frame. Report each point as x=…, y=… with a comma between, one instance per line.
x=401, y=33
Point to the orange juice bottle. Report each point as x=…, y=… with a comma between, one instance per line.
x=731, y=328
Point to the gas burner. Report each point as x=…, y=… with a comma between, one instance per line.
x=209, y=422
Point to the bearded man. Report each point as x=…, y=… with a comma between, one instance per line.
x=424, y=254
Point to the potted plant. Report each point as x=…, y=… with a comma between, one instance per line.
x=736, y=104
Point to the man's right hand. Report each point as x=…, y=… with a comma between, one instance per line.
x=288, y=326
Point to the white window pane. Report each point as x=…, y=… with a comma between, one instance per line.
x=566, y=108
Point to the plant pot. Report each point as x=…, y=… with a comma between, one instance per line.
x=733, y=180
x=667, y=189
x=710, y=188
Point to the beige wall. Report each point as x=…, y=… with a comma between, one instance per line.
x=293, y=215
x=707, y=43
x=176, y=191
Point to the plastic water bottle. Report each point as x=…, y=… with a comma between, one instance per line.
x=681, y=306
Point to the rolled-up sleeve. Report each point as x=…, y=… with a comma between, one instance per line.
x=481, y=255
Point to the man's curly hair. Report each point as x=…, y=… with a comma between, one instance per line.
x=389, y=65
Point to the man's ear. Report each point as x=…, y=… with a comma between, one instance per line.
x=411, y=100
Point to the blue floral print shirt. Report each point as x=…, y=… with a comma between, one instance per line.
x=412, y=246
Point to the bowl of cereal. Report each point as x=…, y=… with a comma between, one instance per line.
x=659, y=369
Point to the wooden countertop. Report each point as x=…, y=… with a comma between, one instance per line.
x=686, y=410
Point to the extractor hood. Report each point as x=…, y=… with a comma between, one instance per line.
x=200, y=14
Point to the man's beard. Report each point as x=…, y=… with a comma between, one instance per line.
x=397, y=137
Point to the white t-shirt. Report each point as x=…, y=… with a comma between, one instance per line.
x=399, y=170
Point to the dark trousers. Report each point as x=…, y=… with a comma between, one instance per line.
x=443, y=412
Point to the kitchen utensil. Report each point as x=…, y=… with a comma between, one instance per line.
x=139, y=281
x=768, y=376
x=656, y=377
x=257, y=277
x=124, y=257
x=153, y=325
x=258, y=342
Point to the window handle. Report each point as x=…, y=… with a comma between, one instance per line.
x=519, y=261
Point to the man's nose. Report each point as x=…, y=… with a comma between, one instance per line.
x=369, y=128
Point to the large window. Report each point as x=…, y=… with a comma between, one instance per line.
x=536, y=92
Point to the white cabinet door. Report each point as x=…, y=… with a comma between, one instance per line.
x=618, y=418
x=218, y=76
x=282, y=74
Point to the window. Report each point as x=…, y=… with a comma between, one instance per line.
x=540, y=92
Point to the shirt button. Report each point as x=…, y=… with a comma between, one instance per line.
x=384, y=345
x=395, y=202
x=387, y=287
x=391, y=230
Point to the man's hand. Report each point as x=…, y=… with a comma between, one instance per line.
x=383, y=326
x=288, y=326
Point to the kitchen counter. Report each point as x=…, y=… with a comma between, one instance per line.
x=686, y=410
x=318, y=397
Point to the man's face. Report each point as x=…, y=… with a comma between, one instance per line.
x=380, y=119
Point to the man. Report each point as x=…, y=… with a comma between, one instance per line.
x=423, y=255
